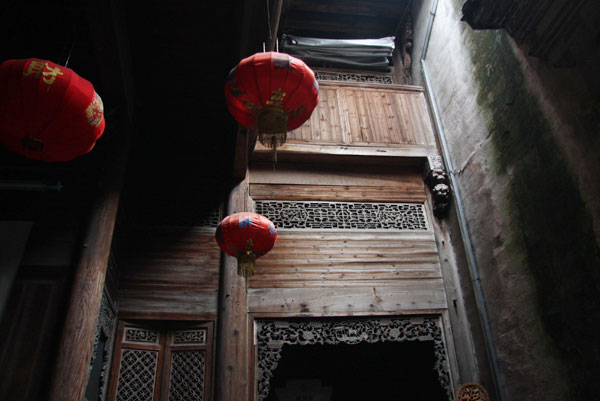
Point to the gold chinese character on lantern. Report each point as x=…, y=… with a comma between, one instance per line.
x=276, y=98
x=51, y=74
x=35, y=68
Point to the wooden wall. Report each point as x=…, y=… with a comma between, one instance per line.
x=168, y=273
x=360, y=115
x=312, y=272
x=34, y=313
x=295, y=181
x=348, y=273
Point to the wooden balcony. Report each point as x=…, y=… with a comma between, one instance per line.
x=363, y=120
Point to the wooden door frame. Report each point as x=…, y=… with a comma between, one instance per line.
x=166, y=328
x=441, y=315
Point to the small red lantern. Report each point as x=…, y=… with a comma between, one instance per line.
x=246, y=236
x=47, y=111
x=271, y=93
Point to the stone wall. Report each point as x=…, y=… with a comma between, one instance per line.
x=524, y=141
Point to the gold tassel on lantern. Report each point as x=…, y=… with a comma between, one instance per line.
x=246, y=264
x=247, y=261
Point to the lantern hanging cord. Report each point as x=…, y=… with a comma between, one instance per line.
x=73, y=40
x=269, y=20
x=69, y=55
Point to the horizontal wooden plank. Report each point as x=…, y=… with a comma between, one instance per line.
x=196, y=281
x=373, y=85
x=301, y=259
x=172, y=258
x=356, y=239
x=291, y=148
x=151, y=267
x=343, y=280
x=318, y=259
x=410, y=295
x=144, y=300
x=383, y=238
x=167, y=315
x=306, y=174
x=341, y=193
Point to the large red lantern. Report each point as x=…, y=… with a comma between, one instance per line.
x=246, y=236
x=271, y=93
x=47, y=111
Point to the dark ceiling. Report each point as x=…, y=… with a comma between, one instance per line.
x=160, y=67
x=344, y=19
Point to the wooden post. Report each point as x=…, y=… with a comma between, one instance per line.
x=232, y=320
x=77, y=339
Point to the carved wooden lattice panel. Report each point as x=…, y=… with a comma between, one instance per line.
x=272, y=335
x=212, y=219
x=105, y=330
x=137, y=375
x=166, y=364
x=385, y=79
x=140, y=336
x=187, y=375
x=190, y=337
x=344, y=215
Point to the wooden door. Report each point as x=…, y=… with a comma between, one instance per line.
x=154, y=362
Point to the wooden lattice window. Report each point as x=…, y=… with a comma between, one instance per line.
x=153, y=363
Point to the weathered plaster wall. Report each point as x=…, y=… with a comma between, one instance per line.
x=525, y=147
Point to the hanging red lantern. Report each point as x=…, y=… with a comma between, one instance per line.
x=246, y=236
x=47, y=111
x=271, y=93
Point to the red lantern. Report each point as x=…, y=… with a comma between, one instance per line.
x=246, y=236
x=47, y=111
x=271, y=93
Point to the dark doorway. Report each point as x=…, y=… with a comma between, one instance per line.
x=360, y=372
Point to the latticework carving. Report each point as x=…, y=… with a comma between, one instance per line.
x=472, y=392
x=137, y=374
x=211, y=220
x=196, y=336
x=187, y=375
x=354, y=77
x=105, y=330
x=143, y=336
x=272, y=335
x=343, y=215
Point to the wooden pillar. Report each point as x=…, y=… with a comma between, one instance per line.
x=77, y=339
x=232, y=322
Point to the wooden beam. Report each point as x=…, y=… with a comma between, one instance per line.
x=275, y=18
x=77, y=339
x=232, y=360
x=244, y=144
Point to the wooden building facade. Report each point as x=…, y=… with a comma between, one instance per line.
x=356, y=250
x=142, y=305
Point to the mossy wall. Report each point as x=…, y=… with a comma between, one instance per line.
x=531, y=226
x=551, y=224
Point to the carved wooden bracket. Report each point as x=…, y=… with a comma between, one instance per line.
x=436, y=178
